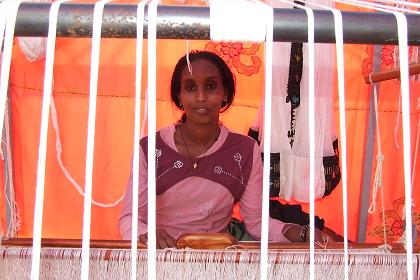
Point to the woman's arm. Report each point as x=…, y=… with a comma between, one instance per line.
x=250, y=208
x=163, y=239
x=126, y=211
x=251, y=203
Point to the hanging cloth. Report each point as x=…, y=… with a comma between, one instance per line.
x=289, y=159
x=34, y=48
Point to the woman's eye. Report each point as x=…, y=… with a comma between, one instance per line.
x=189, y=87
x=211, y=85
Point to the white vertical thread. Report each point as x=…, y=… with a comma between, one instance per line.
x=338, y=27
x=6, y=9
x=403, y=50
x=187, y=55
x=267, y=138
x=14, y=223
x=311, y=117
x=93, y=89
x=151, y=167
x=42, y=151
x=343, y=135
x=66, y=172
x=377, y=182
x=403, y=56
x=136, y=156
x=3, y=16
x=10, y=12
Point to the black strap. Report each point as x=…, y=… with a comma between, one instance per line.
x=293, y=83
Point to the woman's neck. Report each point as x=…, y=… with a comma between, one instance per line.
x=201, y=134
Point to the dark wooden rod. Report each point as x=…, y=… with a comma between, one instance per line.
x=390, y=74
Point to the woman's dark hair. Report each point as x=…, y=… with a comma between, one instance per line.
x=226, y=74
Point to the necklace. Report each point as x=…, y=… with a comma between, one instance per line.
x=194, y=162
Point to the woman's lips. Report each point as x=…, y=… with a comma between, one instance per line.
x=202, y=110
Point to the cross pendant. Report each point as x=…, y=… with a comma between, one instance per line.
x=195, y=165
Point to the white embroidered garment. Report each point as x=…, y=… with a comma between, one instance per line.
x=294, y=161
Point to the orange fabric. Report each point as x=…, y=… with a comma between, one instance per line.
x=358, y=62
x=63, y=208
x=389, y=92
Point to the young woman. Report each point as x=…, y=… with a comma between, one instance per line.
x=202, y=168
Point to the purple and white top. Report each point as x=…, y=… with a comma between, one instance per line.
x=201, y=200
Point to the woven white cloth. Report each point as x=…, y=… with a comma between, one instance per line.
x=294, y=161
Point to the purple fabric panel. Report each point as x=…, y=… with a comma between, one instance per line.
x=229, y=166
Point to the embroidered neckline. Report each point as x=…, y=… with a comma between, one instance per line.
x=197, y=159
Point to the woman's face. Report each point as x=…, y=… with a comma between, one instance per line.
x=202, y=92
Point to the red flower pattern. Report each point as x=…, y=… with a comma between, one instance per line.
x=388, y=59
x=394, y=223
x=388, y=56
x=235, y=55
x=397, y=228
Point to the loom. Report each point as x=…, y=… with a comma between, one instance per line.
x=111, y=260
x=67, y=259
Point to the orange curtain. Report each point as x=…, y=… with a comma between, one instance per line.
x=63, y=207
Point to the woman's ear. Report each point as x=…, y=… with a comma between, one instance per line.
x=224, y=100
x=180, y=103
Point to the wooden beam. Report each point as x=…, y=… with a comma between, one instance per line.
x=250, y=245
x=390, y=74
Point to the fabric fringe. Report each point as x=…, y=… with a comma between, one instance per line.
x=13, y=221
x=65, y=263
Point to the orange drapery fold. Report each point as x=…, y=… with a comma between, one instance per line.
x=63, y=207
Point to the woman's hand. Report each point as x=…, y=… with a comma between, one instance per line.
x=322, y=237
x=163, y=239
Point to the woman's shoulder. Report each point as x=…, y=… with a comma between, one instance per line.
x=236, y=138
x=164, y=134
x=241, y=137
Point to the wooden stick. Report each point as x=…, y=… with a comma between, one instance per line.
x=390, y=74
x=52, y=249
x=249, y=245
x=72, y=243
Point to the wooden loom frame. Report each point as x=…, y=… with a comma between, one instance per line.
x=21, y=29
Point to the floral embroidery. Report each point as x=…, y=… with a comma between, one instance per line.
x=235, y=54
x=177, y=164
x=204, y=209
x=394, y=222
x=158, y=153
x=218, y=169
x=237, y=157
x=179, y=216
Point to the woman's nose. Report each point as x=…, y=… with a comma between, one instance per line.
x=201, y=95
